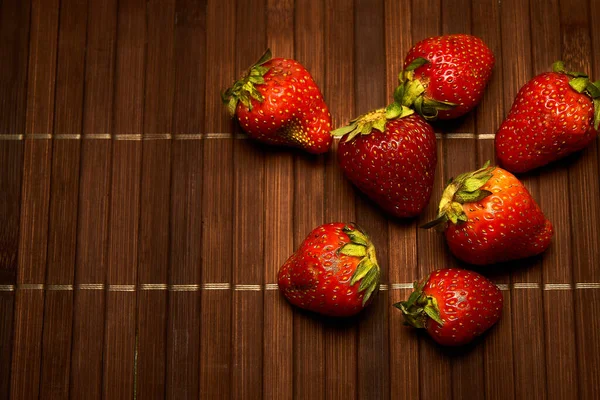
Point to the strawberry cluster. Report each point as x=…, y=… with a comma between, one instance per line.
x=390, y=154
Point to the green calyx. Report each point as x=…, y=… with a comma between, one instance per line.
x=244, y=89
x=581, y=83
x=466, y=188
x=419, y=307
x=367, y=271
x=411, y=93
x=376, y=119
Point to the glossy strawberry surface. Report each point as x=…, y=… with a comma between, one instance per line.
x=319, y=275
x=468, y=303
x=547, y=121
x=458, y=69
x=292, y=112
x=506, y=225
x=396, y=167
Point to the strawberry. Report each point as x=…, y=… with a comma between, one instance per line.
x=453, y=305
x=390, y=155
x=444, y=76
x=490, y=217
x=277, y=102
x=554, y=114
x=334, y=272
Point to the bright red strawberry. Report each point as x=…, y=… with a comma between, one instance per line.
x=444, y=76
x=551, y=117
x=390, y=155
x=453, y=305
x=277, y=102
x=334, y=272
x=490, y=217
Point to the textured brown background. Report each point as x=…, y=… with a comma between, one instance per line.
x=140, y=235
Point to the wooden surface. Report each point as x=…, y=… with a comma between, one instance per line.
x=141, y=232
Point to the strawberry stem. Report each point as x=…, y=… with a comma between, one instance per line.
x=411, y=93
x=244, y=88
x=373, y=120
x=466, y=188
x=367, y=271
x=419, y=307
x=581, y=83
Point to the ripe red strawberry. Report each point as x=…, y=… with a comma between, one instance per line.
x=453, y=305
x=444, y=76
x=390, y=155
x=490, y=217
x=277, y=102
x=551, y=117
x=334, y=272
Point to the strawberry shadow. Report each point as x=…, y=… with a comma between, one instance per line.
x=453, y=352
x=406, y=221
x=502, y=271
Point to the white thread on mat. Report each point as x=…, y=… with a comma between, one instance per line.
x=188, y=136
x=266, y=286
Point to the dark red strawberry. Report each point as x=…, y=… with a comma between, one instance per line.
x=334, y=272
x=554, y=114
x=390, y=155
x=444, y=76
x=490, y=217
x=453, y=305
x=277, y=102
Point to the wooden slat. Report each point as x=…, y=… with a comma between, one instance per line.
x=217, y=250
x=248, y=223
x=435, y=369
x=460, y=156
x=576, y=33
x=155, y=202
x=279, y=190
x=120, y=333
x=403, y=342
x=308, y=341
x=64, y=197
x=187, y=245
x=561, y=362
x=221, y=52
x=489, y=114
x=529, y=354
x=340, y=340
x=369, y=93
x=94, y=192
x=14, y=49
x=183, y=327
x=33, y=234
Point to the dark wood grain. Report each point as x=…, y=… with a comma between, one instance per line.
x=33, y=232
x=217, y=250
x=576, y=33
x=248, y=224
x=14, y=49
x=435, y=367
x=155, y=201
x=64, y=198
x=124, y=218
x=93, y=211
x=187, y=244
x=561, y=362
x=340, y=340
x=402, y=234
x=279, y=230
x=526, y=303
x=373, y=340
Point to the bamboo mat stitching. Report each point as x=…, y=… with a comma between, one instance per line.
x=267, y=286
x=186, y=136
